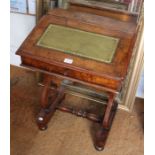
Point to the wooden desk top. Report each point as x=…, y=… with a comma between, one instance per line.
x=105, y=74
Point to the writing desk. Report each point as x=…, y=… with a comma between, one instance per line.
x=72, y=46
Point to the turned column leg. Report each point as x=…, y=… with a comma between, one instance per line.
x=102, y=134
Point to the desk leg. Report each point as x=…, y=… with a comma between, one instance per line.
x=47, y=110
x=45, y=92
x=102, y=134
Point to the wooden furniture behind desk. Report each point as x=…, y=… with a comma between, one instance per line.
x=102, y=76
x=99, y=9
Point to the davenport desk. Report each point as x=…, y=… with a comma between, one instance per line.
x=80, y=45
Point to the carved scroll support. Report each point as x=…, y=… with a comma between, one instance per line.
x=47, y=110
x=48, y=107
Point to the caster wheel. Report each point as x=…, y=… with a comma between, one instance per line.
x=99, y=148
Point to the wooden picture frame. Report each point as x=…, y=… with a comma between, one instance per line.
x=129, y=90
x=131, y=85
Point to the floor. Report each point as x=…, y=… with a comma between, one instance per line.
x=67, y=134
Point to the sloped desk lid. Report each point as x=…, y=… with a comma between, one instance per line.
x=77, y=42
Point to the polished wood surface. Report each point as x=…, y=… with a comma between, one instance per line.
x=107, y=77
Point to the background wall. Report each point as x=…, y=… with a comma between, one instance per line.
x=20, y=26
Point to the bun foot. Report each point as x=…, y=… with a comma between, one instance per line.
x=101, y=138
x=98, y=148
x=43, y=128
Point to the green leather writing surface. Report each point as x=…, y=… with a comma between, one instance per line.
x=80, y=43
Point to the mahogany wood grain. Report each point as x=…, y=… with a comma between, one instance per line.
x=107, y=77
x=45, y=93
x=82, y=67
x=46, y=113
x=102, y=134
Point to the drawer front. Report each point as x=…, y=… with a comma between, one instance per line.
x=76, y=74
